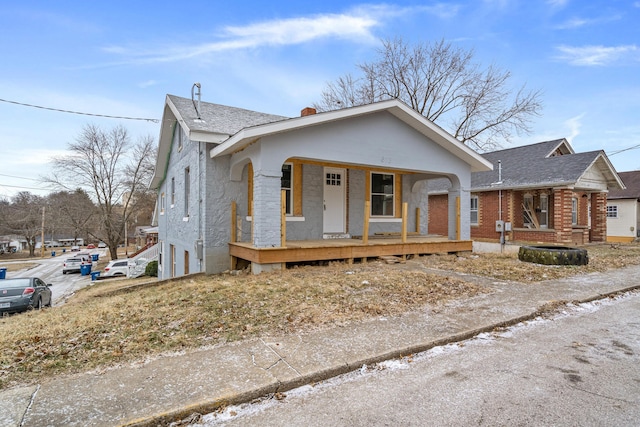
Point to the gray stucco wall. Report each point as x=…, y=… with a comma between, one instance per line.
x=174, y=228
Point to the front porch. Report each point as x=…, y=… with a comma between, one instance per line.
x=349, y=250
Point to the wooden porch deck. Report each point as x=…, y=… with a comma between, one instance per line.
x=346, y=249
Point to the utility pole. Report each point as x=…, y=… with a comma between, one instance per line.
x=42, y=235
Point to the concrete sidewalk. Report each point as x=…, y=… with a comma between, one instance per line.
x=172, y=387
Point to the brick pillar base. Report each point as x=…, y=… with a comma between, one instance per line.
x=599, y=217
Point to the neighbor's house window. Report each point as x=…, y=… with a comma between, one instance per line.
x=173, y=191
x=574, y=211
x=612, y=211
x=382, y=194
x=162, y=204
x=286, y=183
x=474, y=210
x=179, y=132
x=544, y=211
x=187, y=189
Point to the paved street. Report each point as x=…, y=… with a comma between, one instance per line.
x=581, y=368
x=50, y=270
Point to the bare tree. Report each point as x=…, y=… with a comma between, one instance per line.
x=73, y=213
x=442, y=83
x=112, y=170
x=23, y=216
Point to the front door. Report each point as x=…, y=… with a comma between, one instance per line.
x=334, y=200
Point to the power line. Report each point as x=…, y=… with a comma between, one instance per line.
x=624, y=149
x=81, y=113
x=19, y=177
x=19, y=186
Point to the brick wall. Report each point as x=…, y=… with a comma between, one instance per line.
x=599, y=217
x=438, y=222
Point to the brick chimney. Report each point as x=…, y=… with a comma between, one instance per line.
x=307, y=111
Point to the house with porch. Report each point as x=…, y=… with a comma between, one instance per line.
x=241, y=188
x=544, y=192
x=623, y=210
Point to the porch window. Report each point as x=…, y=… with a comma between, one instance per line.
x=474, y=210
x=527, y=211
x=612, y=211
x=574, y=211
x=544, y=211
x=382, y=194
x=286, y=183
x=162, y=204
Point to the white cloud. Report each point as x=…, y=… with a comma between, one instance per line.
x=594, y=55
x=356, y=25
x=574, y=124
x=574, y=23
x=557, y=3
x=147, y=84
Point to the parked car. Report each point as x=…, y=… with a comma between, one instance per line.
x=71, y=265
x=102, y=245
x=116, y=268
x=24, y=294
x=91, y=246
x=75, y=248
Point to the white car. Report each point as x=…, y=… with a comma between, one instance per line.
x=119, y=267
x=102, y=245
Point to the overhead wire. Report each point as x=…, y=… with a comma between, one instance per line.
x=80, y=112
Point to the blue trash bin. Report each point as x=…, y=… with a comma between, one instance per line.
x=53, y=253
x=3, y=273
x=64, y=250
x=85, y=269
x=95, y=275
x=94, y=257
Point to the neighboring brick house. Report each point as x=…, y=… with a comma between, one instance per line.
x=623, y=209
x=234, y=184
x=543, y=192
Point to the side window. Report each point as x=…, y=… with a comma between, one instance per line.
x=474, y=210
x=173, y=191
x=187, y=190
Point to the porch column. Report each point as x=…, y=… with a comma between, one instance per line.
x=599, y=217
x=562, y=214
x=266, y=208
x=458, y=190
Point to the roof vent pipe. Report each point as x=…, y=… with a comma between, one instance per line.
x=197, y=107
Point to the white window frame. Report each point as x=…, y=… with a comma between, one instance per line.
x=473, y=208
x=162, y=203
x=187, y=190
x=544, y=212
x=612, y=211
x=385, y=195
x=173, y=191
x=574, y=211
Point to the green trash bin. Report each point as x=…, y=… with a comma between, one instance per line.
x=3, y=273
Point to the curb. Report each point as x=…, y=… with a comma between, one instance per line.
x=236, y=399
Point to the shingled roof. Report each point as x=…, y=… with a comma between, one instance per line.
x=217, y=118
x=545, y=164
x=632, y=182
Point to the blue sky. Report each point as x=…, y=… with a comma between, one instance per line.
x=121, y=59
